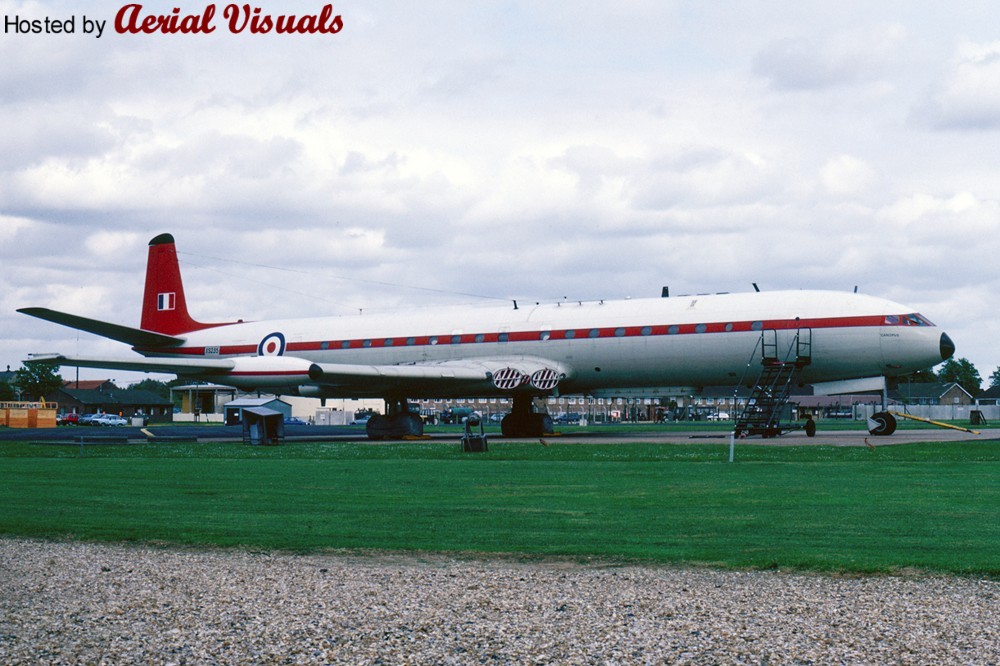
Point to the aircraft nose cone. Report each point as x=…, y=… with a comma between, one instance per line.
x=947, y=347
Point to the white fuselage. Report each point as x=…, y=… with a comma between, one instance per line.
x=680, y=341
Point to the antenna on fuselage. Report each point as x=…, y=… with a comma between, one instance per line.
x=755, y=287
x=855, y=289
x=665, y=292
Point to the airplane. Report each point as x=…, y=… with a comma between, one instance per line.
x=522, y=352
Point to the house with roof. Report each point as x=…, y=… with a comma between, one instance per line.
x=90, y=384
x=109, y=399
x=931, y=393
x=990, y=396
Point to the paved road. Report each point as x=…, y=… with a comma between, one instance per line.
x=569, y=434
x=192, y=432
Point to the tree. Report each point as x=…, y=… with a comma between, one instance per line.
x=963, y=372
x=995, y=378
x=37, y=380
x=7, y=391
x=153, y=386
x=921, y=377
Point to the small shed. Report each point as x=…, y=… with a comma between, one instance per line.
x=263, y=426
x=235, y=408
x=203, y=398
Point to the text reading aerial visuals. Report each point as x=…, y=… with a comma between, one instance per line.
x=134, y=19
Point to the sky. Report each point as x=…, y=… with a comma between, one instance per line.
x=442, y=152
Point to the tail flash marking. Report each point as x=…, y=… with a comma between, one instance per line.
x=166, y=301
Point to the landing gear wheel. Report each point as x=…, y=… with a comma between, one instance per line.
x=545, y=424
x=378, y=427
x=406, y=424
x=526, y=425
x=409, y=425
x=882, y=424
x=810, y=428
x=524, y=421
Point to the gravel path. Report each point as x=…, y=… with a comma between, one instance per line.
x=71, y=603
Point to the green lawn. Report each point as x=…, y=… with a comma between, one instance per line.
x=926, y=506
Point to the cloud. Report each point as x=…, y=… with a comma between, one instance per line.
x=956, y=221
x=696, y=176
x=967, y=95
x=828, y=60
x=847, y=175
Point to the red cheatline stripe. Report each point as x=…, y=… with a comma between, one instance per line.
x=582, y=333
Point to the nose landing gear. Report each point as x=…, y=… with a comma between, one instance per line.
x=882, y=424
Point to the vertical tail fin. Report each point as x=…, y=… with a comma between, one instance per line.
x=164, y=308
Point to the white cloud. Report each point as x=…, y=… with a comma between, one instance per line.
x=967, y=95
x=847, y=175
x=952, y=226
x=830, y=59
x=109, y=245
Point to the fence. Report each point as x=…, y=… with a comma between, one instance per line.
x=934, y=412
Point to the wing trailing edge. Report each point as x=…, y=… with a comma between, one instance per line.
x=137, y=337
x=181, y=366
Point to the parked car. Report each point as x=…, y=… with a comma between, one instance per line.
x=88, y=419
x=111, y=420
x=719, y=416
x=70, y=418
x=294, y=420
x=457, y=414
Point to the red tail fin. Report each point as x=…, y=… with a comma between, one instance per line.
x=164, y=309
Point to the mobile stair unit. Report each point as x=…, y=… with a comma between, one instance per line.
x=781, y=360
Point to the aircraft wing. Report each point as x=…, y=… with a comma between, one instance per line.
x=445, y=378
x=183, y=366
x=136, y=337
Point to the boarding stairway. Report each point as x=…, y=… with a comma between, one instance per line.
x=767, y=404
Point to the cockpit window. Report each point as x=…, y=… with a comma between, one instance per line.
x=912, y=319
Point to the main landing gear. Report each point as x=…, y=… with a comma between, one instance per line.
x=398, y=422
x=524, y=421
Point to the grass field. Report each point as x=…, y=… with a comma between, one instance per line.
x=932, y=507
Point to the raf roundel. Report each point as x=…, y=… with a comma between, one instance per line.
x=272, y=345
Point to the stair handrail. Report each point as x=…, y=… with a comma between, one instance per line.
x=765, y=400
x=758, y=345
